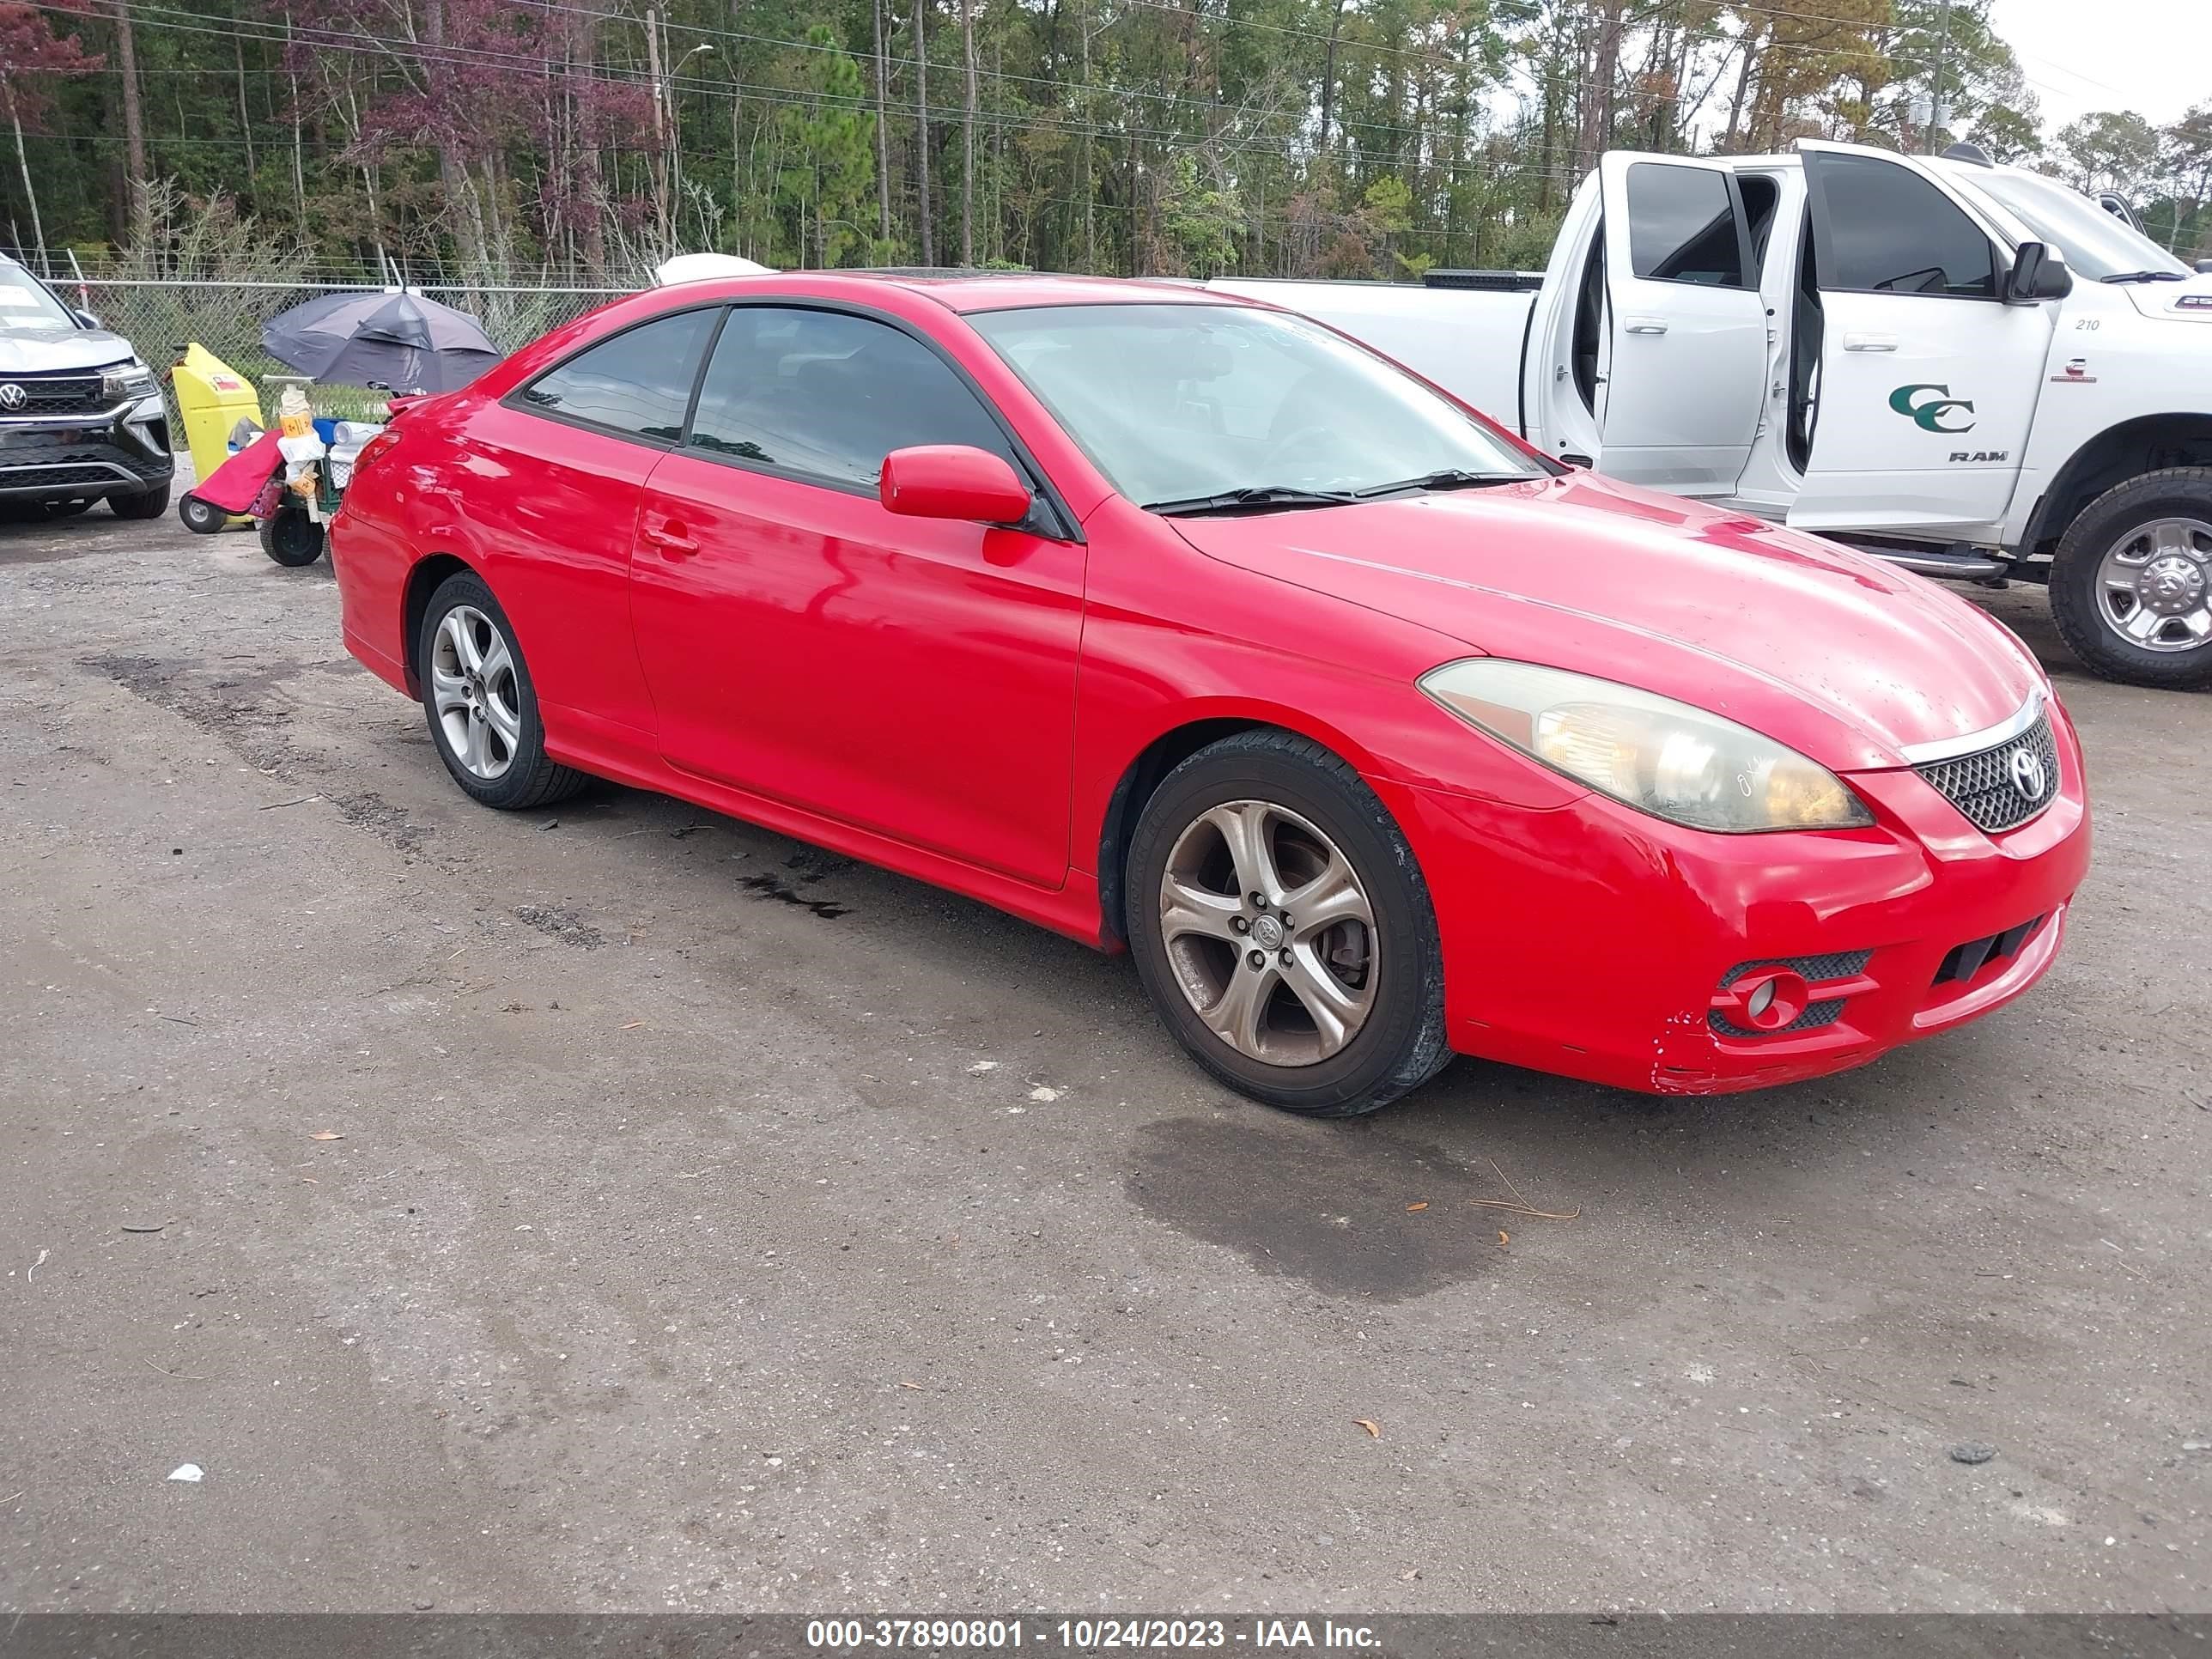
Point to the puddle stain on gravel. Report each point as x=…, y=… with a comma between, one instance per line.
x=1326, y=1207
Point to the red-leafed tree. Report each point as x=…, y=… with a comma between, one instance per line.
x=31, y=55
x=509, y=98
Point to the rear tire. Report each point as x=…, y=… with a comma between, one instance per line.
x=289, y=536
x=147, y=504
x=481, y=704
x=1346, y=1000
x=2132, y=580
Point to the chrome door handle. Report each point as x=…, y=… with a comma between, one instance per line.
x=1870, y=342
x=1646, y=325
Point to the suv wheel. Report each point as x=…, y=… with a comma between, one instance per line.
x=2131, y=585
x=1283, y=931
x=146, y=504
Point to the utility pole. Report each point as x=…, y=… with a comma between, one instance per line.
x=1935, y=97
x=660, y=127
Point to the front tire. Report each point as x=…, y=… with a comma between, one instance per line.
x=482, y=706
x=2131, y=583
x=147, y=504
x=1283, y=931
x=201, y=517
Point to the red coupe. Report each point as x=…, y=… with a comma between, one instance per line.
x=1183, y=625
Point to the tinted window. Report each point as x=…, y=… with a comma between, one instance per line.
x=1890, y=230
x=638, y=382
x=1681, y=226
x=829, y=395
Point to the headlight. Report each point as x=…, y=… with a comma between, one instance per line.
x=1658, y=756
x=130, y=379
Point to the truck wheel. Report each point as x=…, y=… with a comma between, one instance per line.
x=2131, y=583
x=291, y=537
x=201, y=517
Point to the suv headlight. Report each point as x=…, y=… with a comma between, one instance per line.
x=130, y=379
x=1656, y=755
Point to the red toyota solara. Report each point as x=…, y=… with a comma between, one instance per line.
x=1186, y=626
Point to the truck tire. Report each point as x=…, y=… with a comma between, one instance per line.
x=2131, y=582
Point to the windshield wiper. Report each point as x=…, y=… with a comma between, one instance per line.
x=1451, y=477
x=1256, y=498
x=2147, y=277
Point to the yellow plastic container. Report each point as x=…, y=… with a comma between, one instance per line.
x=213, y=397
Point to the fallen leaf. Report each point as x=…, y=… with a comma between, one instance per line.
x=1423, y=1205
x=152, y=1227
x=1374, y=1428
x=916, y=1386
x=327, y=1134
x=1504, y=1238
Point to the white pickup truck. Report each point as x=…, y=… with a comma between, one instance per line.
x=1966, y=368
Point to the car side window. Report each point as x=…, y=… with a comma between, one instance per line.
x=827, y=395
x=1682, y=226
x=1891, y=231
x=637, y=384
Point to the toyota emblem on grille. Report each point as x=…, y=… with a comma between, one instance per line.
x=2027, y=775
x=13, y=395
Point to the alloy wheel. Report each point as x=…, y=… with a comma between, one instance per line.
x=1269, y=932
x=2154, y=584
x=473, y=687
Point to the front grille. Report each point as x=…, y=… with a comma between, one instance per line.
x=1964, y=960
x=1814, y=971
x=60, y=477
x=75, y=394
x=1990, y=788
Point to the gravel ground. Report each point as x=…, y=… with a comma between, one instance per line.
x=624, y=1208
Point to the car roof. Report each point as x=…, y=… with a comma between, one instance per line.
x=968, y=291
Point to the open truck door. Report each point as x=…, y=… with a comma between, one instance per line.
x=1932, y=340
x=1657, y=338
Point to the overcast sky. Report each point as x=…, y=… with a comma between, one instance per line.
x=2153, y=57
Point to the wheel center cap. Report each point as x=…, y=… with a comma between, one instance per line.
x=1267, y=933
x=2172, y=585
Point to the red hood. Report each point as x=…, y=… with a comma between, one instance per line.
x=1837, y=654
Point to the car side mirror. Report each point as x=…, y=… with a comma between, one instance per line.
x=2039, y=272
x=85, y=319
x=2204, y=266
x=952, y=481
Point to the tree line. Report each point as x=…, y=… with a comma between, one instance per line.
x=488, y=140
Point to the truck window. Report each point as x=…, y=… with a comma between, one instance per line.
x=1761, y=195
x=1682, y=226
x=1887, y=230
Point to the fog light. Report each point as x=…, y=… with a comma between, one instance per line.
x=1764, y=999
x=1761, y=999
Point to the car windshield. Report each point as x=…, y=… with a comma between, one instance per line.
x=2096, y=243
x=25, y=303
x=1185, y=404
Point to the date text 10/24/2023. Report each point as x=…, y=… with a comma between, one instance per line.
x=1099, y=1635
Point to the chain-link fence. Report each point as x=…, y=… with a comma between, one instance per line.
x=160, y=316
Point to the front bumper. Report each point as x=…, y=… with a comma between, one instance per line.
x=124, y=451
x=1599, y=942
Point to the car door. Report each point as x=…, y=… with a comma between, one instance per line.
x=542, y=493
x=914, y=677
x=1686, y=371
x=1929, y=378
